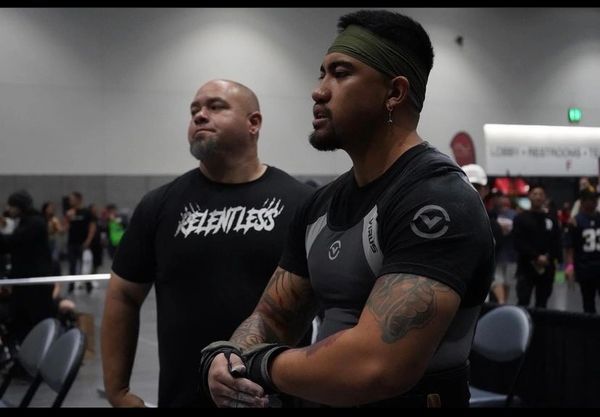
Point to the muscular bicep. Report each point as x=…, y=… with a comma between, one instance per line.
x=407, y=316
x=283, y=313
x=123, y=291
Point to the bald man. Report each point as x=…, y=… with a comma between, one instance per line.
x=208, y=241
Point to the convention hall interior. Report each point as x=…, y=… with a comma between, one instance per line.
x=95, y=107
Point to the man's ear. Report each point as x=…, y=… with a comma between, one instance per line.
x=398, y=93
x=255, y=121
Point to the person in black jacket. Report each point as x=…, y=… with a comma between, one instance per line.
x=30, y=256
x=538, y=243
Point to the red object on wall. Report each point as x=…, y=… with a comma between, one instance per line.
x=463, y=149
x=511, y=186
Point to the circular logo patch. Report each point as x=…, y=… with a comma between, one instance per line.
x=430, y=222
x=334, y=249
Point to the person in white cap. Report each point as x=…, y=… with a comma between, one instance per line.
x=478, y=178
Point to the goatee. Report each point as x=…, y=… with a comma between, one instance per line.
x=202, y=149
x=329, y=143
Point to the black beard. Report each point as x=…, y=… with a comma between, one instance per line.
x=202, y=150
x=329, y=143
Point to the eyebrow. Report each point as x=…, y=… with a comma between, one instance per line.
x=338, y=63
x=208, y=101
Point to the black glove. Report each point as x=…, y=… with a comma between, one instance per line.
x=209, y=353
x=258, y=359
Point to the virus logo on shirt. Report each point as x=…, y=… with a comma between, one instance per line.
x=430, y=222
x=334, y=249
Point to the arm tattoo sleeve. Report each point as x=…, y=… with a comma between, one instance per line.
x=401, y=302
x=284, y=311
x=252, y=331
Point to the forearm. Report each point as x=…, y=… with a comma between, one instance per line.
x=119, y=334
x=259, y=328
x=254, y=330
x=283, y=314
x=341, y=370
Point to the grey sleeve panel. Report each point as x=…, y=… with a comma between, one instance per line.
x=370, y=242
x=313, y=230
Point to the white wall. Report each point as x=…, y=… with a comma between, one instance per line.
x=107, y=91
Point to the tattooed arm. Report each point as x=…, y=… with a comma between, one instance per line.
x=283, y=313
x=384, y=355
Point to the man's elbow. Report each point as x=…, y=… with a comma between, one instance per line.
x=378, y=380
x=392, y=381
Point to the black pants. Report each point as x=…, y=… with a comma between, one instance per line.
x=590, y=286
x=527, y=280
x=75, y=255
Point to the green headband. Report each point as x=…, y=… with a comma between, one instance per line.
x=384, y=56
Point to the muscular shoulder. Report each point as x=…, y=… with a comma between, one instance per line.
x=152, y=202
x=160, y=193
x=448, y=193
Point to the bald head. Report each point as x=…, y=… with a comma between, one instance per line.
x=243, y=94
x=225, y=120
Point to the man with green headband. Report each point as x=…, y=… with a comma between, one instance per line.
x=398, y=251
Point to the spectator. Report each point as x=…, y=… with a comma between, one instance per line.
x=478, y=178
x=583, y=250
x=30, y=257
x=538, y=242
x=55, y=229
x=116, y=225
x=81, y=231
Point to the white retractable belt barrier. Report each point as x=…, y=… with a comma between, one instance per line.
x=49, y=280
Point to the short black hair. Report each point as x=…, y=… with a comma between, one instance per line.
x=398, y=29
x=536, y=185
x=22, y=200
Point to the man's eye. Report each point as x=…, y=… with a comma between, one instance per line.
x=341, y=74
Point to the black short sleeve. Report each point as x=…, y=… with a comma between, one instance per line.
x=135, y=258
x=293, y=257
x=439, y=230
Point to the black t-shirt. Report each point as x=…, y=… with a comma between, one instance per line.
x=30, y=257
x=79, y=226
x=28, y=247
x=420, y=217
x=536, y=233
x=210, y=249
x=584, y=238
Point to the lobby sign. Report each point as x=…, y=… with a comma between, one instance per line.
x=531, y=150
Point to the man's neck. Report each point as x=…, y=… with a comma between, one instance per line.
x=374, y=159
x=233, y=172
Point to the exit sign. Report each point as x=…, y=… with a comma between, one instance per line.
x=574, y=115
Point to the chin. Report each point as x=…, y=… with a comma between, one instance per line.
x=324, y=142
x=202, y=150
